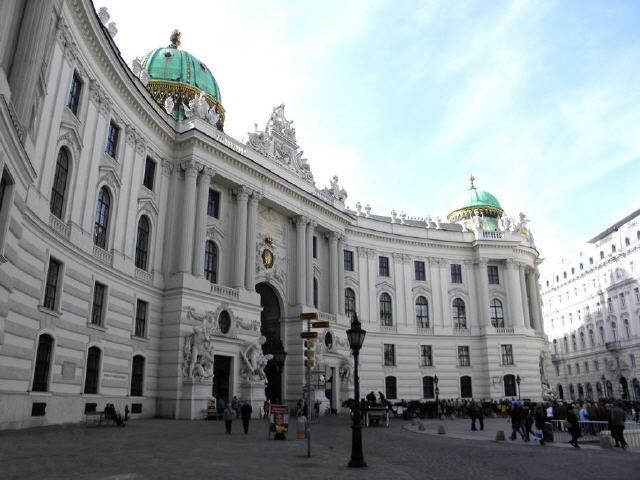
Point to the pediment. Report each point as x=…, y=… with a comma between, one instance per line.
x=70, y=136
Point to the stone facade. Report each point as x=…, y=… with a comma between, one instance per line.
x=592, y=314
x=138, y=289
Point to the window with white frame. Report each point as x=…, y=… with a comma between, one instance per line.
x=464, y=360
x=389, y=355
x=459, y=313
x=422, y=312
x=142, y=312
x=386, y=315
x=497, y=313
x=98, y=305
x=506, y=352
x=52, y=287
x=426, y=359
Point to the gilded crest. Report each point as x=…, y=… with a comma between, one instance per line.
x=267, y=258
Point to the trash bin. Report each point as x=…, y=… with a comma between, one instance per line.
x=301, y=427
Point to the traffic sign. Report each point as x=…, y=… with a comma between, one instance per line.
x=320, y=324
x=310, y=354
x=309, y=363
x=308, y=334
x=309, y=316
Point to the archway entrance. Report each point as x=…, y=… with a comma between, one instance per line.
x=221, y=379
x=270, y=329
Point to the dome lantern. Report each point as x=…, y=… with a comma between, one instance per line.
x=473, y=199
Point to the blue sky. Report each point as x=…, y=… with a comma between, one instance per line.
x=404, y=99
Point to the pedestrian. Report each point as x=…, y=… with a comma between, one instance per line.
x=245, y=413
x=228, y=417
x=480, y=414
x=540, y=416
x=616, y=421
x=472, y=415
x=574, y=427
x=235, y=405
x=266, y=407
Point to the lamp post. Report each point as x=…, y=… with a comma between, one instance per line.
x=356, y=338
x=279, y=357
x=435, y=381
x=518, y=382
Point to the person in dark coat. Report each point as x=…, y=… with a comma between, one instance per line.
x=540, y=417
x=245, y=414
x=228, y=417
x=616, y=425
x=574, y=427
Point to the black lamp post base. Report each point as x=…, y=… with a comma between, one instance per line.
x=359, y=463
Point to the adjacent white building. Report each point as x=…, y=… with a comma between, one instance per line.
x=144, y=252
x=591, y=310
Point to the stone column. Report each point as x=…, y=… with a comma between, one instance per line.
x=191, y=170
x=536, y=314
x=333, y=273
x=372, y=270
x=482, y=289
x=445, y=275
x=28, y=57
x=340, y=265
x=514, y=293
x=250, y=265
x=242, y=195
x=301, y=290
x=523, y=290
x=436, y=298
x=309, y=261
x=202, y=198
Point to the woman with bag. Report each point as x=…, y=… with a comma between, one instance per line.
x=228, y=417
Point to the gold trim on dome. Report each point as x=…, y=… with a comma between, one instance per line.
x=181, y=93
x=468, y=212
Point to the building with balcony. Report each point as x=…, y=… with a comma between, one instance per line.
x=149, y=259
x=591, y=308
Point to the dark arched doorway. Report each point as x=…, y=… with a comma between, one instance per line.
x=624, y=388
x=270, y=329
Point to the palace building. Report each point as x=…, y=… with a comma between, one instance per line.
x=150, y=260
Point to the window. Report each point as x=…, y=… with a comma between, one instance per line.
x=389, y=355
x=566, y=345
x=142, y=243
x=592, y=338
x=463, y=356
x=315, y=292
x=43, y=364
x=577, y=369
x=426, y=360
x=213, y=204
x=573, y=271
x=574, y=345
x=390, y=387
x=636, y=292
x=427, y=387
x=102, y=218
x=590, y=260
x=383, y=266
x=422, y=312
x=492, y=272
x=564, y=274
x=583, y=344
x=140, y=329
x=555, y=345
x=211, y=261
x=419, y=270
x=459, y=314
x=601, y=332
x=613, y=249
x=386, y=317
x=596, y=365
x=601, y=254
x=97, y=310
x=59, y=187
x=51, y=288
x=497, y=313
x=569, y=370
x=627, y=328
x=622, y=300
x=349, y=302
x=456, y=273
x=627, y=242
x=581, y=266
x=510, y=389
x=149, y=173
x=614, y=331
x=586, y=367
x=506, y=352
x=74, y=93
x=348, y=261
x=112, y=140
x=609, y=305
x=465, y=387
x=93, y=370
x=137, y=376
x=315, y=247
x=557, y=370
x=632, y=360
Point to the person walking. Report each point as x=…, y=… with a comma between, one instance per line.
x=574, y=427
x=235, y=405
x=617, y=419
x=472, y=415
x=540, y=416
x=245, y=414
x=228, y=417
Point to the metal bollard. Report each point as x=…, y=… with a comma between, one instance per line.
x=500, y=436
x=441, y=430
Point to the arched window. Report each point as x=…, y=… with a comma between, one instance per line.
x=583, y=345
x=613, y=249
x=580, y=391
x=59, y=187
x=599, y=390
x=614, y=331
x=590, y=260
x=142, y=243
x=137, y=376
x=627, y=328
x=592, y=338
x=390, y=387
x=601, y=254
x=497, y=313
x=573, y=342
x=102, y=218
x=349, y=302
x=609, y=389
x=560, y=391
x=427, y=387
x=43, y=364
x=211, y=261
x=465, y=387
x=602, y=337
x=627, y=242
x=566, y=345
x=422, y=312
x=572, y=392
x=589, y=391
x=386, y=317
x=93, y=370
x=510, y=389
x=315, y=292
x=459, y=314
x=555, y=345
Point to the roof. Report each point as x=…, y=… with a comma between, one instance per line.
x=615, y=227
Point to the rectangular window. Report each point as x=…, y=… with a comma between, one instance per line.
x=97, y=311
x=492, y=272
x=74, y=93
x=586, y=367
x=315, y=247
x=596, y=365
x=426, y=360
x=456, y=273
x=112, y=140
x=632, y=360
x=419, y=270
x=348, y=261
x=636, y=292
x=557, y=370
x=609, y=305
x=213, y=204
x=149, y=173
x=622, y=302
x=389, y=354
x=463, y=356
x=383, y=266
x=507, y=354
x=141, y=318
x=569, y=370
x=51, y=289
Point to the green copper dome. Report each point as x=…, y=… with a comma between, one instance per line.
x=480, y=198
x=177, y=74
x=474, y=199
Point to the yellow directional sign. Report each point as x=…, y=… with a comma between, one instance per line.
x=309, y=316
x=309, y=363
x=309, y=354
x=320, y=324
x=308, y=334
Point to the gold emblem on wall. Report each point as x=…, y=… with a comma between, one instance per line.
x=267, y=258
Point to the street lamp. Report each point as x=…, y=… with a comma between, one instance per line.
x=356, y=338
x=279, y=357
x=435, y=381
x=518, y=382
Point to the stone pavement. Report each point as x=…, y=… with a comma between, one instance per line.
x=172, y=449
